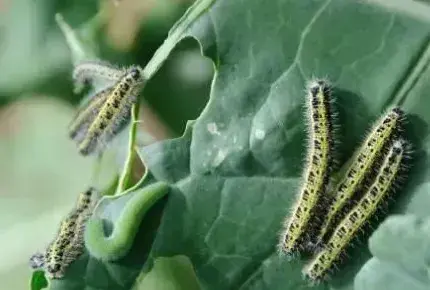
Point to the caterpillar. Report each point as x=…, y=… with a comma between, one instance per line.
x=106, y=112
x=295, y=234
x=88, y=71
x=364, y=160
x=68, y=244
x=119, y=242
x=388, y=173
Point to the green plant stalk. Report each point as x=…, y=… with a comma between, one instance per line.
x=124, y=180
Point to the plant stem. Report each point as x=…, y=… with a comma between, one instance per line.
x=124, y=180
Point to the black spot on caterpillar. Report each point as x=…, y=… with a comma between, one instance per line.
x=298, y=225
x=68, y=244
x=349, y=227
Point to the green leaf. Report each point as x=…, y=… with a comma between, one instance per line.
x=377, y=274
x=236, y=170
x=38, y=280
x=169, y=274
x=240, y=174
x=401, y=249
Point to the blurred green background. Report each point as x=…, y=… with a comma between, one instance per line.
x=41, y=171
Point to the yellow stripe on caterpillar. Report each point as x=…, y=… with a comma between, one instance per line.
x=86, y=115
x=299, y=225
x=364, y=160
x=324, y=261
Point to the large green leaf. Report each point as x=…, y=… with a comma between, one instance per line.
x=238, y=179
x=235, y=172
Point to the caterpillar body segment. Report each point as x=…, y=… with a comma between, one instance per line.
x=361, y=168
x=350, y=226
x=80, y=124
x=304, y=217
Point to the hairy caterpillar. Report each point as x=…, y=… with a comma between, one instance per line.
x=347, y=229
x=120, y=240
x=68, y=245
x=295, y=235
x=106, y=112
x=88, y=71
x=363, y=162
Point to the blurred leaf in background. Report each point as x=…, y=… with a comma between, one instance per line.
x=40, y=175
x=34, y=56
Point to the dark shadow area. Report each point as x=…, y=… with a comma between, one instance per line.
x=416, y=132
x=352, y=124
x=145, y=236
x=352, y=261
x=173, y=212
x=298, y=143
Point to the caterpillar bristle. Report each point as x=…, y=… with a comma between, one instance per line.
x=85, y=72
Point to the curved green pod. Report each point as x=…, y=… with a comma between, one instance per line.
x=120, y=241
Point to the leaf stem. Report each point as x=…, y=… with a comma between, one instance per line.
x=124, y=180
